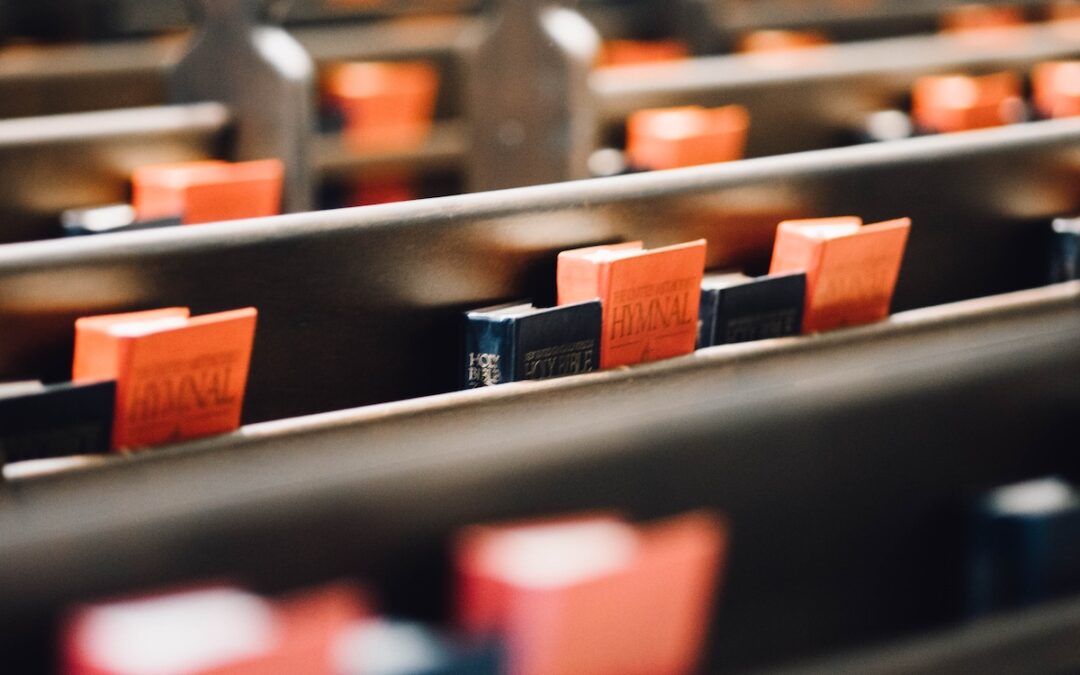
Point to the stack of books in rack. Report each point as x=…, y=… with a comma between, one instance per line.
x=622, y=304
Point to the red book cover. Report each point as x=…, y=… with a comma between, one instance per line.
x=593, y=595
x=176, y=377
x=949, y=103
x=208, y=191
x=1055, y=88
x=386, y=106
x=772, y=41
x=851, y=268
x=981, y=17
x=670, y=138
x=637, y=52
x=650, y=297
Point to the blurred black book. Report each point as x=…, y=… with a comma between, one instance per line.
x=42, y=422
x=1025, y=545
x=1065, y=250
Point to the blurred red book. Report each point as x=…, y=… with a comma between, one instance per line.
x=593, y=595
x=671, y=138
x=208, y=191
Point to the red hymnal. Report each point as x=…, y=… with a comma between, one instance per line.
x=650, y=297
x=386, y=106
x=637, y=52
x=670, y=138
x=771, y=41
x=208, y=191
x=851, y=268
x=948, y=103
x=593, y=595
x=176, y=376
x=1055, y=88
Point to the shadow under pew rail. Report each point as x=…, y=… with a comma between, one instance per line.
x=841, y=460
x=363, y=306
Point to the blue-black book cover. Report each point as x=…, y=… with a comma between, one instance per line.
x=1024, y=545
x=56, y=421
x=1065, y=250
x=738, y=308
x=517, y=341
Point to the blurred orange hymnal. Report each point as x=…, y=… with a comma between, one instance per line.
x=650, y=297
x=1055, y=88
x=981, y=17
x=947, y=103
x=176, y=377
x=851, y=268
x=670, y=138
x=768, y=41
x=386, y=106
x=1064, y=10
x=637, y=52
x=208, y=191
x=593, y=595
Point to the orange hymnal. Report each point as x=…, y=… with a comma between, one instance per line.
x=851, y=268
x=386, y=106
x=767, y=41
x=384, y=188
x=650, y=298
x=670, y=138
x=637, y=52
x=176, y=377
x=1064, y=10
x=947, y=103
x=208, y=191
x=593, y=595
x=981, y=17
x=1055, y=88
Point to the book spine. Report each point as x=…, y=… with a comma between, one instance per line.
x=489, y=352
x=121, y=433
x=578, y=279
x=710, y=299
x=794, y=252
x=96, y=354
